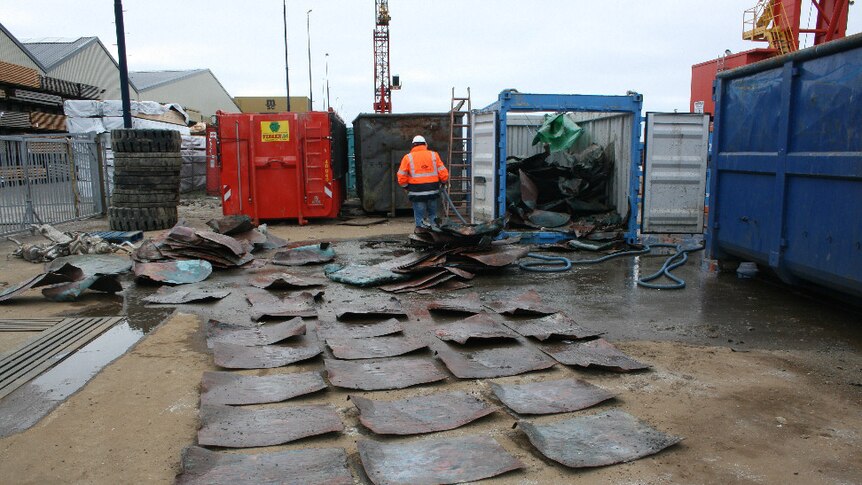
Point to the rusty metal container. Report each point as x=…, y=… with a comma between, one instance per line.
x=381, y=140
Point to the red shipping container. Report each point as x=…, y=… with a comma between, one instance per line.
x=282, y=165
x=213, y=163
x=703, y=75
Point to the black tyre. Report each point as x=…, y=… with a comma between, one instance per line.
x=145, y=141
x=141, y=218
x=147, y=162
x=135, y=180
x=122, y=199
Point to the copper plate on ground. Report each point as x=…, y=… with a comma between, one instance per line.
x=237, y=427
x=265, y=305
x=592, y=353
x=390, y=307
x=282, y=280
x=469, y=303
x=501, y=361
x=598, y=440
x=558, y=325
x=482, y=326
x=167, y=295
x=265, y=334
x=435, y=461
x=373, y=347
x=379, y=374
x=290, y=467
x=528, y=303
x=339, y=330
x=237, y=389
x=421, y=414
x=232, y=356
x=548, y=397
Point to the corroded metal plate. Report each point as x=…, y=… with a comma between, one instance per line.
x=167, y=295
x=265, y=305
x=501, y=361
x=378, y=374
x=528, y=303
x=174, y=272
x=498, y=257
x=548, y=397
x=236, y=427
x=290, y=467
x=390, y=307
x=435, y=461
x=469, y=303
x=232, y=356
x=265, y=334
x=236, y=389
x=478, y=327
x=281, y=280
x=374, y=347
x=558, y=325
x=421, y=414
x=598, y=353
x=338, y=330
x=598, y=440
x=312, y=254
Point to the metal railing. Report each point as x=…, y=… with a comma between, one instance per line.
x=49, y=179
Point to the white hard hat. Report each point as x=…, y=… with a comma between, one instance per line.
x=419, y=139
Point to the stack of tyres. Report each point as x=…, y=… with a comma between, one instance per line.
x=146, y=179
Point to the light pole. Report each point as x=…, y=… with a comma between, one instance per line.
x=327, y=80
x=308, y=34
x=286, y=69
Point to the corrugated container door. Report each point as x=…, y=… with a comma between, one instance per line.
x=675, y=172
x=317, y=168
x=484, y=167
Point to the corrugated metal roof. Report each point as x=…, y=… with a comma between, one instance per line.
x=145, y=80
x=53, y=51
x=23, y=48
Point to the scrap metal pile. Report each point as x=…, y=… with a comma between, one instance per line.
x=564, y=188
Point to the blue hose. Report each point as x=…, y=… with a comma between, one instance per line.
x=556, y=264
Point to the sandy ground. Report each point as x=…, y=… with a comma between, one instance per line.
x=757, y=416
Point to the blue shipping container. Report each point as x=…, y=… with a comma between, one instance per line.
x=786, y=175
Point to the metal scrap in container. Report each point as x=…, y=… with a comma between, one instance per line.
x=598, y=440
x=421, y=414
x=527, y=303
x=265, y=305
x=281, y=280
x=167, y=295
x=500, y=361
x=201, y=466
x=380, y=374
x=311, y=254
x=390, y=307
x=548, y=397
x=556, y=326
x=174, y=272
x=373, y=347
x=592, y=353
x=361, y=275
x=435, y=461
x=233, y=356
x=469, y=303
x=236, y=427
x=237, y=389
x=477, y=327
x=267, y=334
x=338, y=330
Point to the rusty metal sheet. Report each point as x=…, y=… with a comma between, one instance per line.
x=379, y=374
x=226, y=242
x=66, y=273
x=265, y=334
x=338, y=330
x=174, y=272
x=421, y=414
x=233, y=356
x=598, y=353
x=435, y=461
x=597, y=440
x=469, y=303
x=415, y=282
x=498, y=257
x=311, y=254
x=71, y=291
x=328, y=466
x=230, y=225
x=361, y=275
x=272, y=242
x=446, y=287
x=548, y=397
x=237, y=389
x=253, y=237
x=406, y=260
x=185, y=294
x=556, y=326
x=369, y=308
x=92, y=264
x=481, y=326
x=500, y=361
x=237, y=427
x=265, y=305
x=281, y=280
x=527, y=303
x=374, y=347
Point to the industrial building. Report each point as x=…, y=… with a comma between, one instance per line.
x=196, y=89
x=271, y=104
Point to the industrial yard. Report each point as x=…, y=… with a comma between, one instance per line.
x=215, y=273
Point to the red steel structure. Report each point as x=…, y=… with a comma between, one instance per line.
x=282, y=165
x=382, y=82
x=778, y=23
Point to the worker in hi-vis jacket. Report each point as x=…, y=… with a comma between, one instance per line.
x=421, y=173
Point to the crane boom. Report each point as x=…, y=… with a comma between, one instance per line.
x=382, y=82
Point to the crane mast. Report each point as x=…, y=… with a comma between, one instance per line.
x=382, y=83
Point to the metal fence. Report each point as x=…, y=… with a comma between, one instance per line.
x=49, y=179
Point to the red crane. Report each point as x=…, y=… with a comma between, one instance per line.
x=382, y=83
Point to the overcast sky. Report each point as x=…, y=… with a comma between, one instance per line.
x=554, y=46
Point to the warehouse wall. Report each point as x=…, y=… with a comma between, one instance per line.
x=11, y=53
x=201, y=92
x=93, y=65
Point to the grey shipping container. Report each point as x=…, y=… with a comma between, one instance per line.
x=380, y=142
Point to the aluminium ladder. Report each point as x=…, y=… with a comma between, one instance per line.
x=460, y=174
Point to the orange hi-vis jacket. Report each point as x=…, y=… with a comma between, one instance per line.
x=421, y=172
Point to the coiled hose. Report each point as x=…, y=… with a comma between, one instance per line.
x=557, y=264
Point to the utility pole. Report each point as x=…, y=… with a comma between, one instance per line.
x=124, y=68
x=327, y=81
x=308, y=34
x=286, y=70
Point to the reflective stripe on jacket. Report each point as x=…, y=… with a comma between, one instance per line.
x=421, y=172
